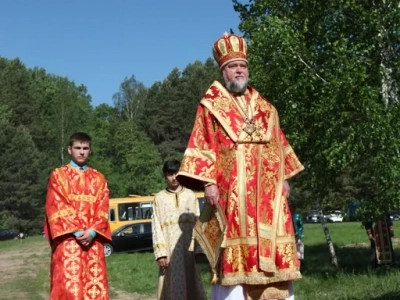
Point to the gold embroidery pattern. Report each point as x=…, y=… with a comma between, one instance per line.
x=84, y=198
x=288, y=253
x=169, y=223
x=262, y=278
x=61, y=213
x=265, y=247
x=236, y=256
x=103, y=214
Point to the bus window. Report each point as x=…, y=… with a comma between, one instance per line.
x=111, y=215
x=130, y=214
x=128, y=211
x=147, y=210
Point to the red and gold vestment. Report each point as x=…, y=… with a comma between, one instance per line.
x=249, y=161
x=76, y=201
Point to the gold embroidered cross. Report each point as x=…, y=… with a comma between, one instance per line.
x=75, y=290
x=73, y=267
x=93, y=292
x=95, y=270
x=72, y=247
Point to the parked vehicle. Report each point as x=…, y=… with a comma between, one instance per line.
x=131, y=238
x=335, y=216
x=10, y=234
x=394, y=215
x=135, y=209
x=313, y=216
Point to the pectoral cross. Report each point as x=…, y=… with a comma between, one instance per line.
x=249, y=126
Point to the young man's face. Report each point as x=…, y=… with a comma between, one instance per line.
x=171, y=180
x=79, y=152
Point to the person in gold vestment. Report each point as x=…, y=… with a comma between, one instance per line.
x=76, y=226
x=239, y=155
x=175, y=211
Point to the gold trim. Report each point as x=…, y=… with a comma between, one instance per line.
x=61, y=213
x=241, y=182
x=195, y=152
x=65, y=232
x=200, y=178
x=260, y=277
x=221, y=120
x=290, y=175
x=83, y=198
x=240, y=241
x=285, y=239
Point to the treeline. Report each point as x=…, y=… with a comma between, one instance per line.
x=131, y=139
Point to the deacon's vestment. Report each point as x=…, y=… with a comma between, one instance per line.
x=77, y=200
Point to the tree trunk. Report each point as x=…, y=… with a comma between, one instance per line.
x=329, y=241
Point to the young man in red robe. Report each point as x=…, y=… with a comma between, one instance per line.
x=239, y=155
x=76, y=226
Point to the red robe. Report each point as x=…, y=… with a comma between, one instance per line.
x=77, y=200
x=257, y=236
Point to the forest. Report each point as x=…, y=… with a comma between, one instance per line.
x=331, y=70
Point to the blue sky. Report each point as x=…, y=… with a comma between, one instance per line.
x=98, y=43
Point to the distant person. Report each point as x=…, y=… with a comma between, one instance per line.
x=298, y=230
x=77, y=226
x=380, y=233
x=175, y=211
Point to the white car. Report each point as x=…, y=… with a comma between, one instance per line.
x=335, y=216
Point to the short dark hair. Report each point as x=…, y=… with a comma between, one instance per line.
x=80, y=137
x=171, y=166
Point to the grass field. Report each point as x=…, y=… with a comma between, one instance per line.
x=24, y=269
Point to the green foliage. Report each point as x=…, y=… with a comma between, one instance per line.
x=328, y=67
x=170, y=107
x=19, y=176
x=136, y=160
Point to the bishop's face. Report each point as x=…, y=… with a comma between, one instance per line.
x=236, y=75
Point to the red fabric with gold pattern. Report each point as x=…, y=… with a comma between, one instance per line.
x=383, y=241
x=249, y=169
x=77, y=200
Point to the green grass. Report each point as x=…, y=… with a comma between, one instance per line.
x=133, y=272
x=137, y=272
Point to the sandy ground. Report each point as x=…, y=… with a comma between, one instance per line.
x=24, y=262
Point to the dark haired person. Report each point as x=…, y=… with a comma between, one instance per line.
x=175, y=211
x=77, y=226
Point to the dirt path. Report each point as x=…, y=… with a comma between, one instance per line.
x=25, y=262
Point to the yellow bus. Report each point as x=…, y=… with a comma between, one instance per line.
x=135, y=209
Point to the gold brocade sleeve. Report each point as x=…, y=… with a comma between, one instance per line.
x=100, y=220
x=292, y=163
x=159, y=244
x=198, y=163
x=61, y=217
